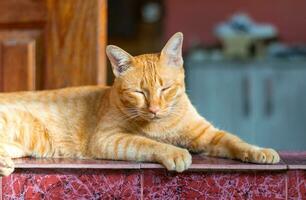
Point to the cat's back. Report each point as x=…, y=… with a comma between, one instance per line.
x=49, y=95
x=59, y=117
x=59, y=111
x=56, y=102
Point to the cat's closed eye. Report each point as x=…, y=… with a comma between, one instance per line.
x=166, y=88
x=139, y=92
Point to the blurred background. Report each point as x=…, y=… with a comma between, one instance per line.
x=245, y=61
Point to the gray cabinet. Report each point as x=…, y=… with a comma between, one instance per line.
x=280, y=104
x=262, y=102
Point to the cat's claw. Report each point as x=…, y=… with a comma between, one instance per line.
x=6, y=166
x=176, y=159
x=261, y=155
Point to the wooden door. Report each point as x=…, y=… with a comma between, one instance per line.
x=47, y=44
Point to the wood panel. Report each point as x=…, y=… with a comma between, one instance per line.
x=17, y=46
x=22, y=11
x=60, y=43
x=18, y=65
x=1, y=72
x=102, y=41
x=75, y=41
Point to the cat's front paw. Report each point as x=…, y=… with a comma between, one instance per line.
x=6, y=166
x=175, y=159
x=261, y=155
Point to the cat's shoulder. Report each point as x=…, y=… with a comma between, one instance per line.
x=88, y=88
x=77, y=91
x=68, y=91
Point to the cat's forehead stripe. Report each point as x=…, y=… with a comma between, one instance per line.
x=149, y=64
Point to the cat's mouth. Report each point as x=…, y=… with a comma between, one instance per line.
x=155, y=117
x=140, y=114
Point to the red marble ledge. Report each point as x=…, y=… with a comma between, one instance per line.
x=212, y=185
x=57, y=184
x=209, y=178
x=68, y=163
x=200, y=162
x=294, y=160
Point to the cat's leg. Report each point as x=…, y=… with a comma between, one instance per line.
x=124, y=146
x=7, y=152
x=202, y=136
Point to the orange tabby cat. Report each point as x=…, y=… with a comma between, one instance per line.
x=145, y=116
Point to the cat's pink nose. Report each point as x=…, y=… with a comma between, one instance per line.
x=154, y=109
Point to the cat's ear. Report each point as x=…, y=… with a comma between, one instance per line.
x=120, y=59
x=171, y=54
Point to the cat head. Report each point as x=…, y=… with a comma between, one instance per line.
x=149, y=85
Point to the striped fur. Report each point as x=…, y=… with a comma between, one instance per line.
x=116, y=122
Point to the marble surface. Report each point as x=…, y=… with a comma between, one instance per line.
x=296, y=184
x=71, y=184
x=294, y=160
x=160, y=184
x=199, y=162
x=73, y=163
x=208, y=178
